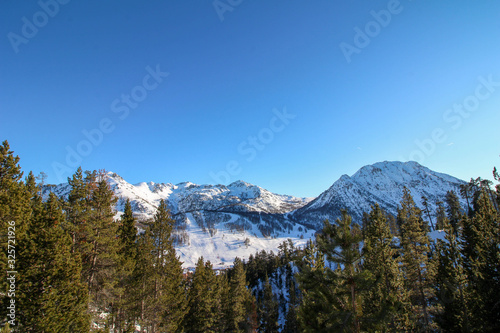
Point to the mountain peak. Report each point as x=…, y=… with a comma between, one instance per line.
x=240, y=183
x=380, y=183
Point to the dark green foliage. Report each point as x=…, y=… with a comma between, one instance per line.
x=99, y=246
x=51, y=296
x=159, y=275
x=77, y=209
x=332, y=296
x=241, y=304
x=453, y=209
x=481, y=254
x=425, y=203
x=496, y=176
x=122, y=309
x=417, y=269
x=441, y=218
x=268, y=310
x=203, y=300
x=127, y=234
x=291, y=322
x=223, y=311
x=453, y=313
x=15, y=212
x=386, y=301
x=317, y=293
x=14, y=196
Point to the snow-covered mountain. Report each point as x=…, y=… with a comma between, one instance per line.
x=222, y=222
x=380, y=183
x=238, y=197
x=218, y=222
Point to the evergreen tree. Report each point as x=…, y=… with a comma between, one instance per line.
x=51, y=296
x=496, y=176
x=453, y=209
x=291, y=322
x=451, y=281
x=224, y=305
x=268, y=310
x=481, y=254
x=127, y=234
x=143, y=282
x=163, y=299
x=332, y=297
x=203, y=300
x=14, y=197
x=122, y=309
x=425, y=203
x=466, y=191
x=441, y=218
x=318, y=301
x=77, y=208
x=385, y=304
x=100, y=248
x=417, y=268
x=15, y=212
x=241, y=303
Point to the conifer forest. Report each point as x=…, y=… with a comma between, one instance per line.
x=69, y=265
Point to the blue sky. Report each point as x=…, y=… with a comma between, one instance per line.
x=288, y=95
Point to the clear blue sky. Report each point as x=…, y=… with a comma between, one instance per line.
x=355, y=98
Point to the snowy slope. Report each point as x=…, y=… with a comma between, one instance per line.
x=222, y=247
x=380, y=183
x=215, y=221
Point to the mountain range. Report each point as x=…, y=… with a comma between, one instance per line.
x=221, y=222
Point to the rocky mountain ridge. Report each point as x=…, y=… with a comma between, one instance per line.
x=221, y=222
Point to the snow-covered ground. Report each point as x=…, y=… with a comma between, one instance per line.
x=223, y=247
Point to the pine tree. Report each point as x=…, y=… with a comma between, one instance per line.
x=203, y=300
x=122, y=309
x=143, y=282
x=99, y=248
x=466, y=191
x=289, y=254
x=241, y=303
x=268, y=310
x=51, y=296
x=385, y=303
x=425, y=203
x=441, y=218
x=481, y=254
x=224, y=305
x=77, y=209
x=127, y=233
x=332, y=297
x=451, y=281
x=453, y=209
x=291, y=322
x=417, y=268
x=15, y=213
x=318, y=300
x=14, y=197
x=496, y=176
x=163, y=299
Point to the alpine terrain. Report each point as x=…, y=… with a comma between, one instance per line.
x=222, y=222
